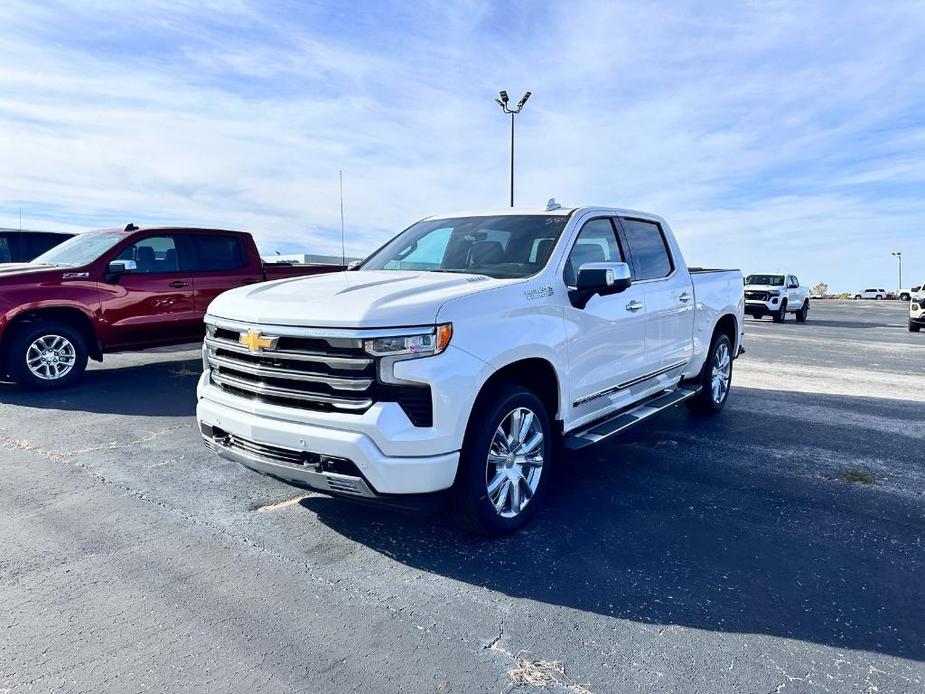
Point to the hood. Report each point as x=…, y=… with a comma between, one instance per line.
x=364, y=299
x=31, y=272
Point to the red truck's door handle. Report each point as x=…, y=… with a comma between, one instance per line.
x=179, y=283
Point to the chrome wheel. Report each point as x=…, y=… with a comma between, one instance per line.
x=51, y=357
x=515, y=462
x=722, y=371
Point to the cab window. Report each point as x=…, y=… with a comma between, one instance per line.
x=596, y=243
x=648, y=249
x=152, y=255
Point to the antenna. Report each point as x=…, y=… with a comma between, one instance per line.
x=343, y=253
x=20, y=219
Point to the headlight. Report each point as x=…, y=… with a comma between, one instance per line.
x=424, y=344
x=774, y=292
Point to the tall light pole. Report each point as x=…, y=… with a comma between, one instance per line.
x=503, y=103
x=899, y=256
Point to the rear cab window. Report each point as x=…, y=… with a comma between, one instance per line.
x=649, y=254
x=217, y=253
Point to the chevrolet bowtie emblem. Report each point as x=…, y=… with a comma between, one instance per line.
x=256, y=342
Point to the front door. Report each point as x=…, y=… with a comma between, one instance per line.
x=606, y=339
x=152, y=304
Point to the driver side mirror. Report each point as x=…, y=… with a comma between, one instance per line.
x=354, y=264
x=599, y=278
x=121, y=267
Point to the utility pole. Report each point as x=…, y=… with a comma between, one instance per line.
x=503, y=103
x=899, y=256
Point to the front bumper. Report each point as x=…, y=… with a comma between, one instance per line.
x=761, y=308
x=269, y=443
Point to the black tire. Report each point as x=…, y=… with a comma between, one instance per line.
x=29, y=333
x=704, y=400
x=781, y=315
x=857, y=297
x=914, y=327
x=470, y=505
x=758, y=316
x=905, y=297
x=803, y=313
x=878, y=297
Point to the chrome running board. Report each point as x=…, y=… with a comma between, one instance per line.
x=624, y=419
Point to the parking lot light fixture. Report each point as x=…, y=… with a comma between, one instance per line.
x=503, y=101
x=899, y=256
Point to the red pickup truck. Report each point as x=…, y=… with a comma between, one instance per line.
x=114, y=290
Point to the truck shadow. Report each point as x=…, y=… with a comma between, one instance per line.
x=158, y=389
x=704, y=524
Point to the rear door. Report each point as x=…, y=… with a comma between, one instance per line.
x=606, y=343
x=154, y=303
x=220, y=262
x=669, y=295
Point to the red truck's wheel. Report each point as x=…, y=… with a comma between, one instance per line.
x=46, y=354
x=505, y=463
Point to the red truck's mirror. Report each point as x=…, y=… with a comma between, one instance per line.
x=121, y=267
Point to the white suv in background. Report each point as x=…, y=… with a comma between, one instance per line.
x=871, y=294
x=917, y=310
x=776, y=295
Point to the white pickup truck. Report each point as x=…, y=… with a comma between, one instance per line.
x=776, y=295
x=465, y=356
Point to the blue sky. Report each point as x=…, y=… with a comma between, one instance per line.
x=772, y=135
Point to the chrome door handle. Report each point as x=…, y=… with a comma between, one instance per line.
x=633, y=306
x=178, y=284
x=685, y=297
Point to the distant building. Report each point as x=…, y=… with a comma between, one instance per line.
x=307, y=259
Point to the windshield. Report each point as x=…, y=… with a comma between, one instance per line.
x=504, y=246
x=82, y=249
x=772, y=280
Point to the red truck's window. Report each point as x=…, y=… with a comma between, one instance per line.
x=153, y=254
x=217, y=253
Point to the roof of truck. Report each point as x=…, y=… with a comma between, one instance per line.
x=543, y=211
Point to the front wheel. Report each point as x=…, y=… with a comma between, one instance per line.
x=505, y=462
x=715, y=377
x=914, y=327
x=46, y=354
x=781, y=314
x=803, y=313
x=857, y=297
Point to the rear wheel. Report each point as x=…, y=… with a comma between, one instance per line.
x=914, y=327
x=905, y=297
x=46, y=354
x=505, y=463
x=758, y=316
x=781, y=314
x=803, y=313
x=715, y=377
x=878, y=297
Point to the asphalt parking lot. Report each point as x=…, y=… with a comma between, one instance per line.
x=777, y=547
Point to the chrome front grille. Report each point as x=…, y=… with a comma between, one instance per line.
x=324, y=370
x=308, y=371
x=756, y=296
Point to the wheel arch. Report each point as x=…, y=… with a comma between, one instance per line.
x=728, y=325
x=74, y=317
x=534, y=373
